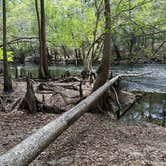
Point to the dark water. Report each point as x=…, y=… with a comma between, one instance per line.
x=151, y=108
x=55, y=71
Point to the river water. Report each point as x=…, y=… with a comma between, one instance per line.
x=151, y=108
x=153, y=82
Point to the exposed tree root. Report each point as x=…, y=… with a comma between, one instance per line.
x=16, y=104
x=70, y=79
x=70, y=87
x=30, y=101
x=57, y=97
x=116, y=103
x=2, y=108
x=33, y=105
x=117, y=99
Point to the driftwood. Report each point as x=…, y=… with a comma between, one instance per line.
x=25, y=152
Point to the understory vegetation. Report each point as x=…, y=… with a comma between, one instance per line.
x=74, y=31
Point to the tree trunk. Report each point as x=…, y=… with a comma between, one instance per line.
x=7, y=79
x=25, y=152
x=103, y=72
x=116, y=49
x=31, y=104
x=30, y=101
x=39, y=35
x=43, y=66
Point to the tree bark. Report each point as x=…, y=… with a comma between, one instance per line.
x=25, y=152
x=43, y=66
x=7, y=79
x=116, y=49
x=30, y=101
x=105, y=64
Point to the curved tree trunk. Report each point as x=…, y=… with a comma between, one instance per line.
x=7, y=79
x=103, y=72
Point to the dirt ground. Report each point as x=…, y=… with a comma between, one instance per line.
x=94, y=140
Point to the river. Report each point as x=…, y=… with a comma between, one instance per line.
x=151, y=108
x=154, y=82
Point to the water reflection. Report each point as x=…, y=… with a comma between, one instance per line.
x=154, y=82
x=152, y=108
x=55, y=71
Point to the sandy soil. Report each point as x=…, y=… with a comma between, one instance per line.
x=94, y=140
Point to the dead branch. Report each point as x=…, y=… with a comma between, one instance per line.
x=134, y=74
x=70, y=79
x=16, y=104
x=117, y=99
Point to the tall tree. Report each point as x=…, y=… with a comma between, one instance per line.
x=43, y=66
x=7, y=79
x=103, y=71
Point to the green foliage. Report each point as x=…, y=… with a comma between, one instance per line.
x=9, y=54
x=71, y=23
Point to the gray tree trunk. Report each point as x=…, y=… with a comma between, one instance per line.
x=7, y=79
x=25, y=152
x=43, y=66
x=105, y=64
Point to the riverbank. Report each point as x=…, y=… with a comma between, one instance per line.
x=154, y=82
x=95, y=139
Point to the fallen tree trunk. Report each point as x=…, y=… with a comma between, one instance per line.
x=20, y=39
x=25, y=152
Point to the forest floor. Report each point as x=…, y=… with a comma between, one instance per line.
x=95, y=139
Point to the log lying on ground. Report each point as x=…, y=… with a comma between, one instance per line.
x=25, y=152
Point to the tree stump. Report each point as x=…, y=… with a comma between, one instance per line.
x=30, y=101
